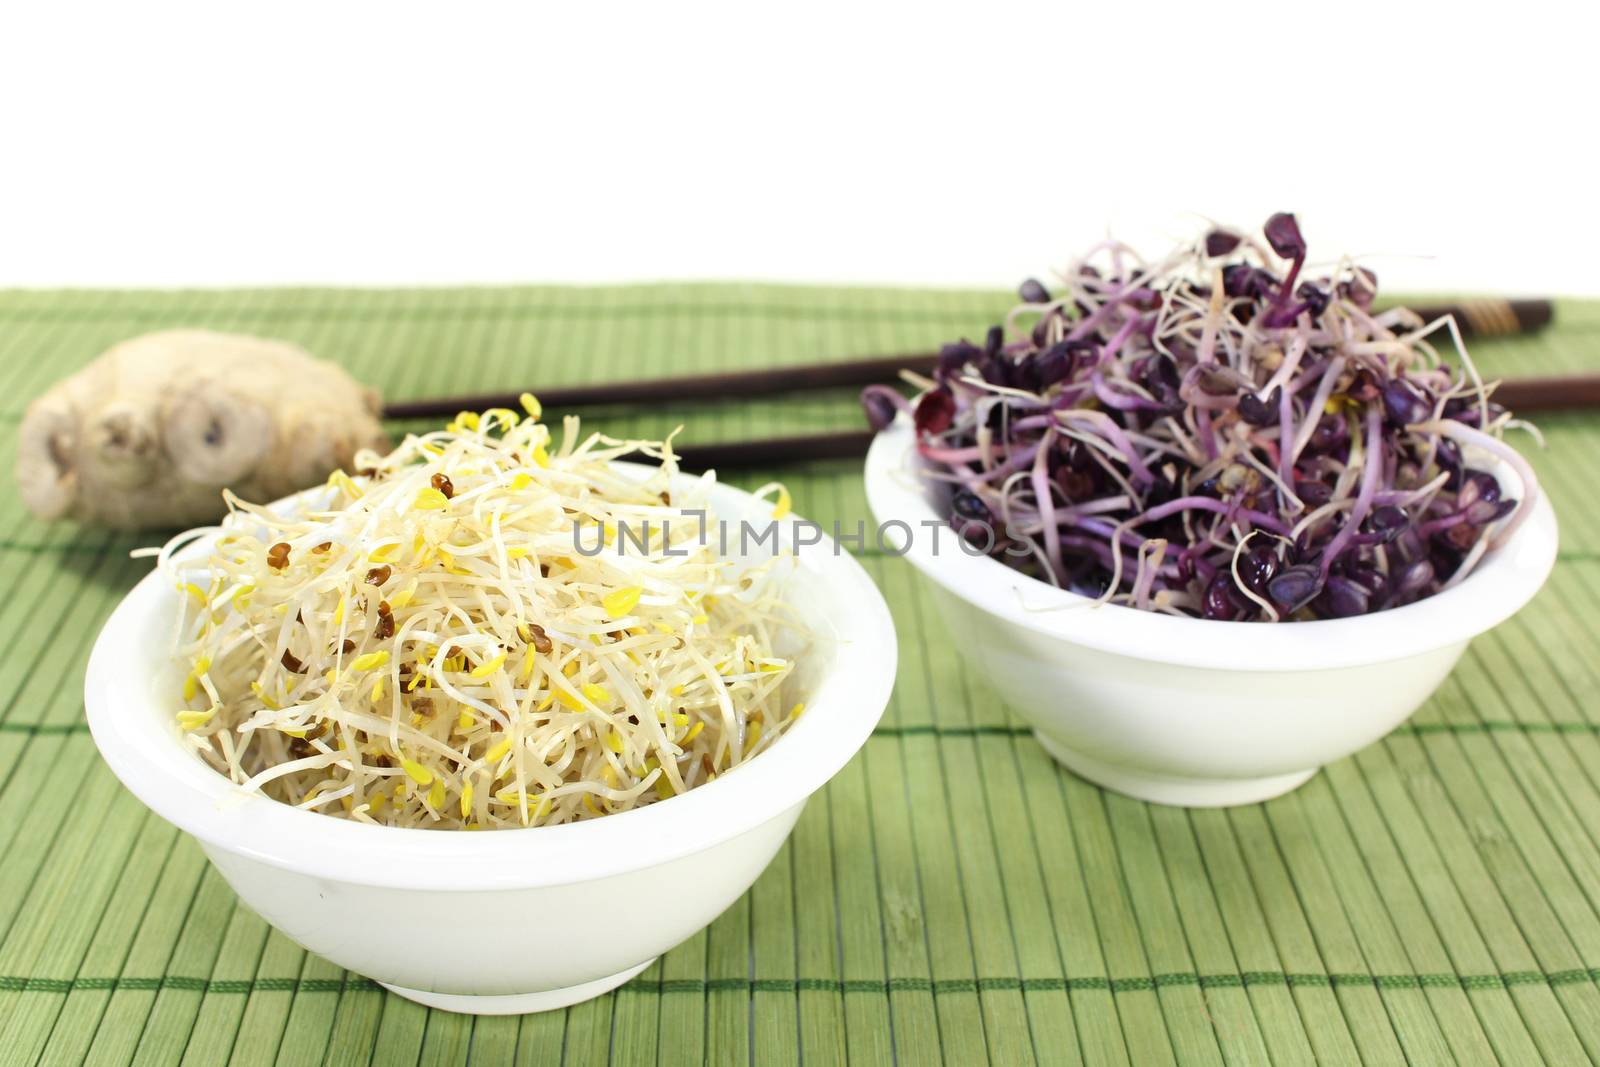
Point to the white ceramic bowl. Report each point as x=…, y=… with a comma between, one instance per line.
x=510, y=920
x=1189, y=711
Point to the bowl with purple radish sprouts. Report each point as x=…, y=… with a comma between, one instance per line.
x=1211, y=521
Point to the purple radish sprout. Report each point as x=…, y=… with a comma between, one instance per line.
x=1215, y=434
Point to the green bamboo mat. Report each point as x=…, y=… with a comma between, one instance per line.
x=951, y=895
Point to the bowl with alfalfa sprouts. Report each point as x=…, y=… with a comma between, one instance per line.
x=537, y=694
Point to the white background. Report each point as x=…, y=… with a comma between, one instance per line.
x=384, y=144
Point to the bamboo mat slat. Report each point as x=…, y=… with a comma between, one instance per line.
x=952, y=896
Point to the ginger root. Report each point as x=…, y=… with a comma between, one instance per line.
x=152, y=431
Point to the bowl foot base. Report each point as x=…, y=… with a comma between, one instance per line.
x=518, y=1003
x=1176, y=791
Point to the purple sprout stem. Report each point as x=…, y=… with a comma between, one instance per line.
x=1042, y=500
x=970, y=454
x=1370, y=471
x=1015, y=462
x=1275, y=316
x=1207, y=435
x=1219, y=507
x=1109, y=350
x=1444, y=522
x=1101, y=550
x=1113, y=399
x=1104, y=529
x=1113, y=301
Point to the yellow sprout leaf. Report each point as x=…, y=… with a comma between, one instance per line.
x=484, y=670
x=621, y=601
x=377, y=690
x=416, y=771
x=436, y=794
x=466, y=800
x=498, y=752
x=784, y=505
x=694, y=732
x=521, y=482
x=464, y=721
x=370, y=661
x=568, y=700
x=403, y=597
x=193, y=720
x=384, y=553
x=431, y=499
x=614, y=741
x=504, y=416
x=796, y=711
x=597, y=694
x=531, y=405
x=540, y=456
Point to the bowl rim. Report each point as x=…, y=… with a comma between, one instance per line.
x=1503, y=582
x=150, y=760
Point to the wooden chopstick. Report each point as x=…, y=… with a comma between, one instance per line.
x=775, y=451
x=1521, y=395
x=1475, y=317
x=724, y=386
x=1563, y=392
